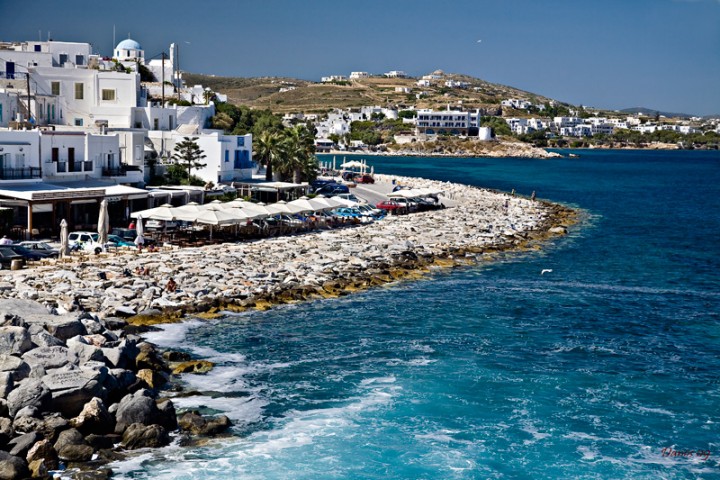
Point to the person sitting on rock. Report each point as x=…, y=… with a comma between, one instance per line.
x=171, y=285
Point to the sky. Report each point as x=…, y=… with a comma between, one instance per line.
x=613, y=54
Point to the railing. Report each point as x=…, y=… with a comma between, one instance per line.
x=66, y=167
x=20, y=173
x=119, y=171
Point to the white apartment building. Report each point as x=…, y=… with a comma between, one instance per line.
x=358, y=75
x=228, y=158
x=423, y=83
x=333, y=78
x=396, y=74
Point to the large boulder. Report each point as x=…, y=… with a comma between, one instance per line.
x=71, y=390
x=15, y=366
x=71, y=446
x=81, y=351
x=196, y=424
x=167, y=416
x=150, y=358
x=30, y=392
x=6, y=384
x=19, y=446
x=42, y=338
x=47, y=357
x=139, y=407
x=6, y=432
x=65, y=328
x=138, y=435
x=14, y=340
x=44, y=451
x=12, y=467
x=94, y=418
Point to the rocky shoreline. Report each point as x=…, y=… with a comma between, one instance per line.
x=75, y=384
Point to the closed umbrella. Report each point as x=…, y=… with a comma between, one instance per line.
x=103, y=224
x=140, y=231
x=64, y=246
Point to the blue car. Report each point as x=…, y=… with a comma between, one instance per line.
x=332, y=189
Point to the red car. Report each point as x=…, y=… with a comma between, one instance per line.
x=364, y=179
x=392, y=207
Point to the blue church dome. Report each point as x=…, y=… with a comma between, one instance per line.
x=128, y=44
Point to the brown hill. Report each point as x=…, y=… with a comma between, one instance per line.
x=289, y=95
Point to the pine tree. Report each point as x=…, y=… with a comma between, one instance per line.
x=188, y=154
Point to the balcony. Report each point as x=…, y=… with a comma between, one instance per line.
x=75, y=167
x=20, y=173
x=119, y=170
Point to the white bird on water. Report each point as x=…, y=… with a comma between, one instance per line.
x=545, y=270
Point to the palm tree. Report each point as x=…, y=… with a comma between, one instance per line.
x=269, y=148
x=300, y=143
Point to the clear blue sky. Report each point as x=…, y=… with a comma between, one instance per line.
x=660, y=54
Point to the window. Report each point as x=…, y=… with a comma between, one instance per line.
x=79, y=91
x=227, y=156
x=79, y=60
x=55, y=86
x=63, y=59
x=78, y=122
x=37, y=48
x=108, y=94
x=156, y=124
x=53, y=112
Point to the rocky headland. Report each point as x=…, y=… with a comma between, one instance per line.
x=79, y=386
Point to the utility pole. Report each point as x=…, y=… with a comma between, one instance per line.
x=29, y=112
x=163, y=79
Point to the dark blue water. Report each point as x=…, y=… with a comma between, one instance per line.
x=495, y=371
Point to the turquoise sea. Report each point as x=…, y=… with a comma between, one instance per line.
x=608, y=367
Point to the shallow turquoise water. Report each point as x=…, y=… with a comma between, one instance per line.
x=496, y=371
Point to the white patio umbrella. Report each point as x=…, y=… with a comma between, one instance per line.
x=64, y=246
x=284, y=207
x=103, y=223
x=352, y=164
x=163, y=212
x=306, y=205
x=345, y=202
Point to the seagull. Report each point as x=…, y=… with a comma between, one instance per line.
x=546, y=270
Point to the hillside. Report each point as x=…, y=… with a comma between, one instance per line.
x=310, y=97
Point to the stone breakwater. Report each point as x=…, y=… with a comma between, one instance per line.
x=319, y=264
x=76, y=391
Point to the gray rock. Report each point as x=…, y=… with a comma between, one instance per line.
x=14, y=340
x=6, y=384
x=42, y=338
x=199, y=425
x=136, y=408
x=4, y=412
x=66, y=328
x=19, y=446
x=92, y=326
x=71, y=390
x=47, y=357
x=71, y=446
x=101, y=442
x=167, y=416
x=26, y=423
x=12, y=467
x=94, y=418
x=31, y=393
x=6, y=432
x=138, y=435
x=43, y=450
x=82, y=352
x=14, y=365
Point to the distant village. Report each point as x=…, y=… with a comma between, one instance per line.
x=77, y=127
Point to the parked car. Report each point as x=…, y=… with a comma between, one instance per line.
x=364, y=179
x=26, y=253
x=161, y=225
x=7, y=256
x=41, y=247
x=75, y=238
x=391, y=206
x=128, y=234
x=316, y=184
x=350, y=196
x=332, y=189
